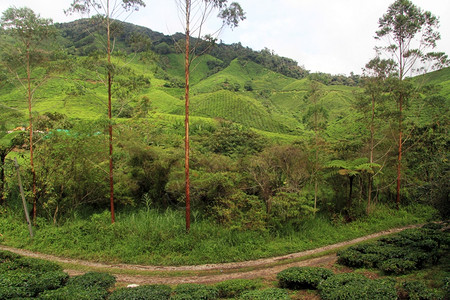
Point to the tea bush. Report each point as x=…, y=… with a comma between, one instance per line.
x=73, y=292
x=19, y=284
x=190, y=291
x=297, y=278
x=235, y=287
x=398, y=254
x=144, y=292
x=356, y=286
x=266, y=294
x=10, y=261
x=93, y=279
x=416, y=290
x=397, y=266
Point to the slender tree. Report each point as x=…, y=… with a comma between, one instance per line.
x=408, y=32
x=195, y=14
x=375, y=82
x=23, y=52
x=108, y=10
x=316, y=119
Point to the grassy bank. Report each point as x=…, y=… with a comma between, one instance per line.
x=158, y=238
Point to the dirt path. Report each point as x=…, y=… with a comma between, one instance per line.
x=266, y=268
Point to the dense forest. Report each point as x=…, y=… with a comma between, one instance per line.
x=272, y=144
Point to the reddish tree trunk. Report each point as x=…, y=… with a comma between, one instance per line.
x=399, y=162
x=110, y=129
x=186, y=122
x=30, y=116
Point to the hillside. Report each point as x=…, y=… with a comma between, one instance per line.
x=229, y=85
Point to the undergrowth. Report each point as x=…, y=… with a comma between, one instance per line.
x=159, y=238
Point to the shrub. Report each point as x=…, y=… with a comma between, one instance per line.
x=144, y=292
x=416, y=290
x=74, y=292
x=235, y=287
x=92, y=279
x=350, y=258
x=38, y=265
x=408, y=250
x=7, y=255
x=18, y=284
x=190, y=291
x=51, y=280
x=297, y=278
x=433, y=226
x=356, y=286
x=10, y=261
x=397, y=266
x=266, y=294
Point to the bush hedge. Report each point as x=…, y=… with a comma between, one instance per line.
x=74, y=292
x=266, y=294
x=144, y=292
x=356, y=286
x=93, y=279
x=398, y=254
x=189, y=291
x=297, y=278
x=235, y=287
x=416, y=290
x=18, y=284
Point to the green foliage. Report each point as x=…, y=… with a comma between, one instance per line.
x=68, y=171
x=356, y=286
x=416, y=290
x=235, y=287
x=93, y=279
x=144, y=292
x=234, y=140
x=266, y=294
x=10, y=261
x=240, y=211
x=75, y=293
x=17, y=284
x=23, y=277
x=188, y=291
x=397, y=266
x=297, y=278
x=408, y=250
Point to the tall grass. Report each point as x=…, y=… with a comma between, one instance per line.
x=148, y=236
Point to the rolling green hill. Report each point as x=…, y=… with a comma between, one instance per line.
x=238, y=90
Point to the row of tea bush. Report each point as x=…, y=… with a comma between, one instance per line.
x=411, y=249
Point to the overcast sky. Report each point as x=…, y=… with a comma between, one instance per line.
x=332, y=36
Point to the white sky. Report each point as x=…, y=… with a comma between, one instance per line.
x=332, y=36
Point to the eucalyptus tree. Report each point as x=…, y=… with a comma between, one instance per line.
x=108, y=11
x=408, y=32
x=24, y=39
x=195, y=14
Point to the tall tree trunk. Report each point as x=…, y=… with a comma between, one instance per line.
x=186, y=120
x=399, y=162
x=110, y=129
x=30, y=116
x=372, y=134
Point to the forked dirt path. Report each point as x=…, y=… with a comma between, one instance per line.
x=265, y=268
